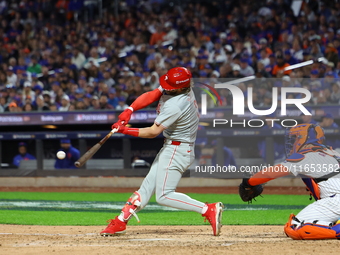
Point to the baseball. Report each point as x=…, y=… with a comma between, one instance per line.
x=61, y=155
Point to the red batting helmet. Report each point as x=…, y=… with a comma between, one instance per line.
x=176, y=78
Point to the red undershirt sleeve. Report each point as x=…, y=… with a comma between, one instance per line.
x=268, y=174
x=146, y=99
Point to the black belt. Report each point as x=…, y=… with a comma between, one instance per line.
x=327, y=176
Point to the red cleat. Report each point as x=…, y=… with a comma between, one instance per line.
x=115, y=227
x=214, y=216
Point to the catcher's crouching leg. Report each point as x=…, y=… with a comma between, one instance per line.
x=132, y=205
x=310, y=231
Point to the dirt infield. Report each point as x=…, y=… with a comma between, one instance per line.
x=169, y=240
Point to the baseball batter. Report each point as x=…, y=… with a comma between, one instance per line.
x=318, y=166
x=178, y=120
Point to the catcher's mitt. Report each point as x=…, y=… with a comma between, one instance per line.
x=248, y=192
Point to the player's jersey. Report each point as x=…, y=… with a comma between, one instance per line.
x=179, y=115
x=317, y=165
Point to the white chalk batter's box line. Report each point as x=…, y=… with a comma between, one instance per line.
x=89, y=234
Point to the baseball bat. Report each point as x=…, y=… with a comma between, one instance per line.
x=81, y=161
x=306, y=63
x=252, y=77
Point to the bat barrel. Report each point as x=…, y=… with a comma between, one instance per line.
x=81, y=161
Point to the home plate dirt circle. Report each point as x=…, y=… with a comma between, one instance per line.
x=79, y=240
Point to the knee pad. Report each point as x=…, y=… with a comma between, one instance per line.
x=311, y=231
x=133, y=204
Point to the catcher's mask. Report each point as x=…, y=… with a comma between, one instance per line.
x=303, y=134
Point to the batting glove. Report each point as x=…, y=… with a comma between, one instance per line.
x=125, y=130
x=116, y=126
x=125, y=116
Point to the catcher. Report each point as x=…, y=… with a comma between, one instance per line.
x=318, y=166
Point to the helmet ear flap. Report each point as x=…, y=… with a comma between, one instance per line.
x=320, y=134
x=316, y=134
x=302, y=134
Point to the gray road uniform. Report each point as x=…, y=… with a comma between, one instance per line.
x=179, y=115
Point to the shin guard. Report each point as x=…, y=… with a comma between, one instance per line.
x=316, y=232
x=130, y=207
x=311, y=231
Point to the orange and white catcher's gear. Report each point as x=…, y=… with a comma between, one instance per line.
x=310, y=231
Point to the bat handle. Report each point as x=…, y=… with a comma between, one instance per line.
x=108, y=136
x=113, y=131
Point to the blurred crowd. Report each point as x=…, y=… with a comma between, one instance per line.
x=86, y=55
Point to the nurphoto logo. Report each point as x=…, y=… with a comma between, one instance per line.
x=238, y=103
